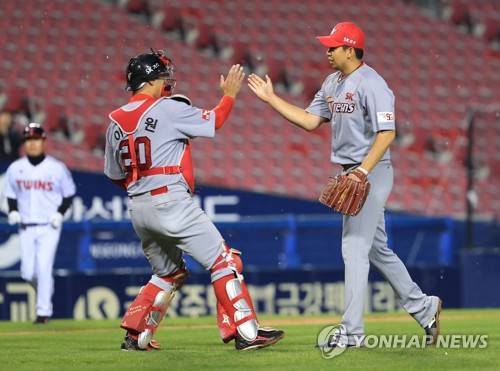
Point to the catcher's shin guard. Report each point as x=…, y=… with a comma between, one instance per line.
x=235, y=311
x=149, y=307
x=156, y=313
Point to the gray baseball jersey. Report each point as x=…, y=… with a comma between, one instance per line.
x=358, y=107
x=170, y=223
x=161, y=139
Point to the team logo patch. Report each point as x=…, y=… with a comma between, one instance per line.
x=152, y=68
x=349, y=96
x=349, y=41
x=205, y=114
x=385, y=117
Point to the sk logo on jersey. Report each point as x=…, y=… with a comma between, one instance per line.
x=205, y=114
x=349, y=96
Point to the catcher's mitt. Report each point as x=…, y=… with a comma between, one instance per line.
x=346, y=193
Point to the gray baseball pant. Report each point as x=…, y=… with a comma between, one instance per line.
x=364, y=241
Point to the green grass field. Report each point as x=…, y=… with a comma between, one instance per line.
x=194, y=344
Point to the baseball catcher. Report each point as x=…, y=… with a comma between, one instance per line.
x=148, y=153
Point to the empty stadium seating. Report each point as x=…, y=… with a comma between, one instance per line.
x=480, y=17
x=69, y=58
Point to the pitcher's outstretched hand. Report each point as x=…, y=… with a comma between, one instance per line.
x=263, y=89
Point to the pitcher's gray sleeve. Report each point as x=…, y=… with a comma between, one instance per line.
x=319, y=106
x=379, y=103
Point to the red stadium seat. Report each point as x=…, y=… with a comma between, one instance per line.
x=17, y=99
x=76, y=60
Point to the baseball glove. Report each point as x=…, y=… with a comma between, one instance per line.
x=346, y=193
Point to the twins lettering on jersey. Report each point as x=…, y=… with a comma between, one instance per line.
x=38, y=185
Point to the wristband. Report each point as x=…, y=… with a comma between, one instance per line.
x=362, y=170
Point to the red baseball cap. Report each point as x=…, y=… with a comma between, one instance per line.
x=344, y=33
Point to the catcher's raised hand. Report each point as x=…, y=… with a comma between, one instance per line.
x=231, y=85
x=263, y=89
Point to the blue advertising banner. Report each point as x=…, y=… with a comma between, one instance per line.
x=272, y=231
x=291, y=253
x=97, y=232
x=107, y=295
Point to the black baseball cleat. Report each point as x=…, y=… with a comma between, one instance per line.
x=269, y=332
x=265, y=336
x=433, y=329
x=41, y=320
x=130, y=344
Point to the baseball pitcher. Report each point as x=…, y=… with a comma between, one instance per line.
x=360, y=108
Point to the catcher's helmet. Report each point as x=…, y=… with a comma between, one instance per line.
x=148, y=67
x=33, y=131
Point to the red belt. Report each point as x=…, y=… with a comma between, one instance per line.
x=154, y=192
x=159, y=191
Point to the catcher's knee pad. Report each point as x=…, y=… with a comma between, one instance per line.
x=229, y=262
x=149, y=307
x=235, y=311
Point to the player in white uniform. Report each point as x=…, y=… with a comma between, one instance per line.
x=39, y=190
x=148, y=153
x=360, y=106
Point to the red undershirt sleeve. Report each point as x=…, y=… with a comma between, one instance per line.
x=223, y=110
